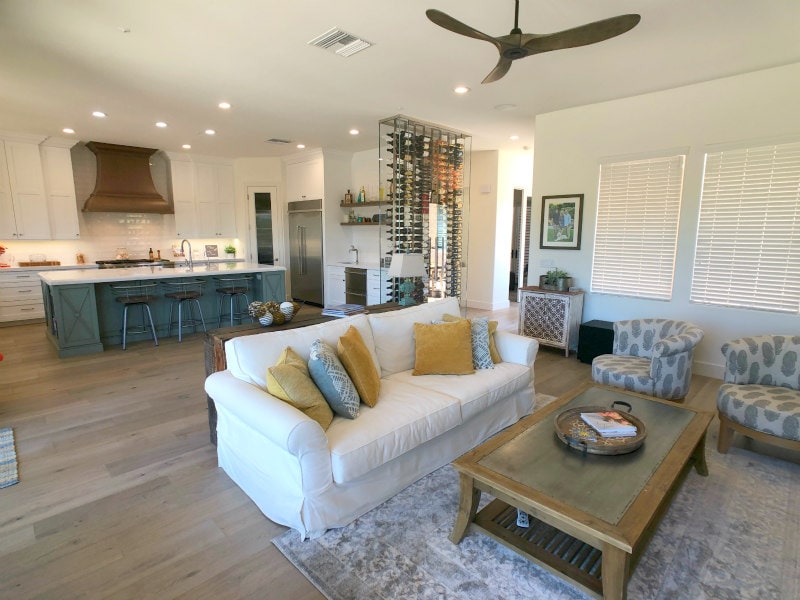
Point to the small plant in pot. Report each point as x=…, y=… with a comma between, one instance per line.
x=555, y=279
x=230, y=251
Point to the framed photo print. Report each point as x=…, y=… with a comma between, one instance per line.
x=562, y=218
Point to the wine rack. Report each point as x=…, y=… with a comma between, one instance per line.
x=423, y=170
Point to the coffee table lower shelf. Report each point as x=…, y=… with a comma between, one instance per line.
x=543, y=544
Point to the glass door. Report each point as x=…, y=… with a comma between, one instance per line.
x=265, y=232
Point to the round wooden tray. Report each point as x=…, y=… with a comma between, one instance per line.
x=572, y=430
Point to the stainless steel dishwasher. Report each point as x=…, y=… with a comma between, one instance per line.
x=355, y=285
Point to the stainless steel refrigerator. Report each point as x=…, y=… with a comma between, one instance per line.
x=305, y=250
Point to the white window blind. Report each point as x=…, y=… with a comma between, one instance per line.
x=748, y=233
x=637, y=227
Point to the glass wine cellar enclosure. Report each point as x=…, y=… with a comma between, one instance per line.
x=423, y=172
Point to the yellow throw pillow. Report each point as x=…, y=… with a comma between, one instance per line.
x=492, y=328
x=358, y=363
x=289, y=380
x=443, y=349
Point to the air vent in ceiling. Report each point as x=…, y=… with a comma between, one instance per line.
x=340, y=42
x=278, y=141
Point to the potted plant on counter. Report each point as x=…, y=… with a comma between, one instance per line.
x=555, y=279
x=230, y=251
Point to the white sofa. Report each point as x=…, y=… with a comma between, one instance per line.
x=304, y=477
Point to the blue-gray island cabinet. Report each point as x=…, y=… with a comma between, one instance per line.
x=83, y=316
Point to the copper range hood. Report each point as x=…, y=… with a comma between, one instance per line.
x=124, y=182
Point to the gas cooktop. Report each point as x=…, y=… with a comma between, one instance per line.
x=121, y=263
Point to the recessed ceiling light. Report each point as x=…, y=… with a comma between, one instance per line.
x=99, y=114
x=301, y=146
x=224, y=105
x=161, y=124
x=354, y=132
x=514, y=138
x=210, y=132
x=461, y=89
x=186, y=146
x=505, y=107
x=68, y=130
x=124, y=29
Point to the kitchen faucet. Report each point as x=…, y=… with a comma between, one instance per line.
x=354, y=249
x=189, y=259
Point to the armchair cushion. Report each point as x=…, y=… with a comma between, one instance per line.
x=770, y=409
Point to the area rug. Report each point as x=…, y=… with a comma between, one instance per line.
x=733, y=534
x=8, y=458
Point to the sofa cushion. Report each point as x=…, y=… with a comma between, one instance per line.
x=332, y=380
x=393, y=332
x=402, y=419
x=290, y=381
x=248, y=357
x=443, y=348
x=355, y=357
x=492, y=328
x=770, y=409
x=474, y=392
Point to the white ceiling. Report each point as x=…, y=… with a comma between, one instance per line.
x=62, y=59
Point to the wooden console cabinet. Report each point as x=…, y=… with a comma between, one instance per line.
x=551, y=317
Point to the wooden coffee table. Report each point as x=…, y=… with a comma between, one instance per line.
x=590, y=515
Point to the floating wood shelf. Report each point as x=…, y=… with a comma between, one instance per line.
x=362, y=223
x=358, y=204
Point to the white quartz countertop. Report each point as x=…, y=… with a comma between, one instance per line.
x=359, y=265
x=137, y=273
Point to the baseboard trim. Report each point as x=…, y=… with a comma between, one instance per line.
x=488, y=305
x=708, y=369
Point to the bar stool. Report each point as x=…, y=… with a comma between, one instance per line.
x=185, y=291
x=233, y=290
x=137, y=294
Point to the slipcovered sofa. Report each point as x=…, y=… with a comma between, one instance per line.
x=312, y=479
x=760, y=395
x=650, y=356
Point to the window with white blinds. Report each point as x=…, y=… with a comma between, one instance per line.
x=748, y=234
x=635, y=241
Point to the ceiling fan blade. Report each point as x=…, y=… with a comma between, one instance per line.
x=502, y=67
x=456, y=26
x=591, y=33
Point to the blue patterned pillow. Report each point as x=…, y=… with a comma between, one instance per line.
x=481, y=357
x=332, y=380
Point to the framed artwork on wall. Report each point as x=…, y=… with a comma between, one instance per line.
x=562, y=219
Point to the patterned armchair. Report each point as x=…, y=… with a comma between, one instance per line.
x=651, y=356
x=760, y=395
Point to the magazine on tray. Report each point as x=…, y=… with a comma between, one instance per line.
x=609, y=423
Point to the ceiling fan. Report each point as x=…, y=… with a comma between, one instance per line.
x=519, y=45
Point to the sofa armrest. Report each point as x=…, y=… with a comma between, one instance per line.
x=279, y=422
x=675, y=344
x=516, y=348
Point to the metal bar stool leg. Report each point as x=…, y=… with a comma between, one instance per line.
x=124, y=325
x=150, y=318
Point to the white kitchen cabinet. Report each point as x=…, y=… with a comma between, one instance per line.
x=182, y=173
x=203, y=198
x=305, y=180
x=23, y=203
x=334, y=285
x=20, y=296
x=60, y=189
x=376, y=286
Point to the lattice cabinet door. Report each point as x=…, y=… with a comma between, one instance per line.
x=551, y=317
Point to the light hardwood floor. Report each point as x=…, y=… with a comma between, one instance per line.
x=120, y=495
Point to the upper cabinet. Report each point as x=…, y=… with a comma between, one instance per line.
x=59, y=185
x=23, y=204
x=203, y=196
x=37, y=189
x=305, y=180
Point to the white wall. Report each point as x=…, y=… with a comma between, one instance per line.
x=570, y=144
x=364, y=171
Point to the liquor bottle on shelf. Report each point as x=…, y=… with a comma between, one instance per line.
x=362, y=195
x=348, y=198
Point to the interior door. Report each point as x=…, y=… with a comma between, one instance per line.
x=266, y=232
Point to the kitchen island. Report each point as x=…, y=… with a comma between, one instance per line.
x=82, y=315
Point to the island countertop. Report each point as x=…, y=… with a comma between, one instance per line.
x=79, y=276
